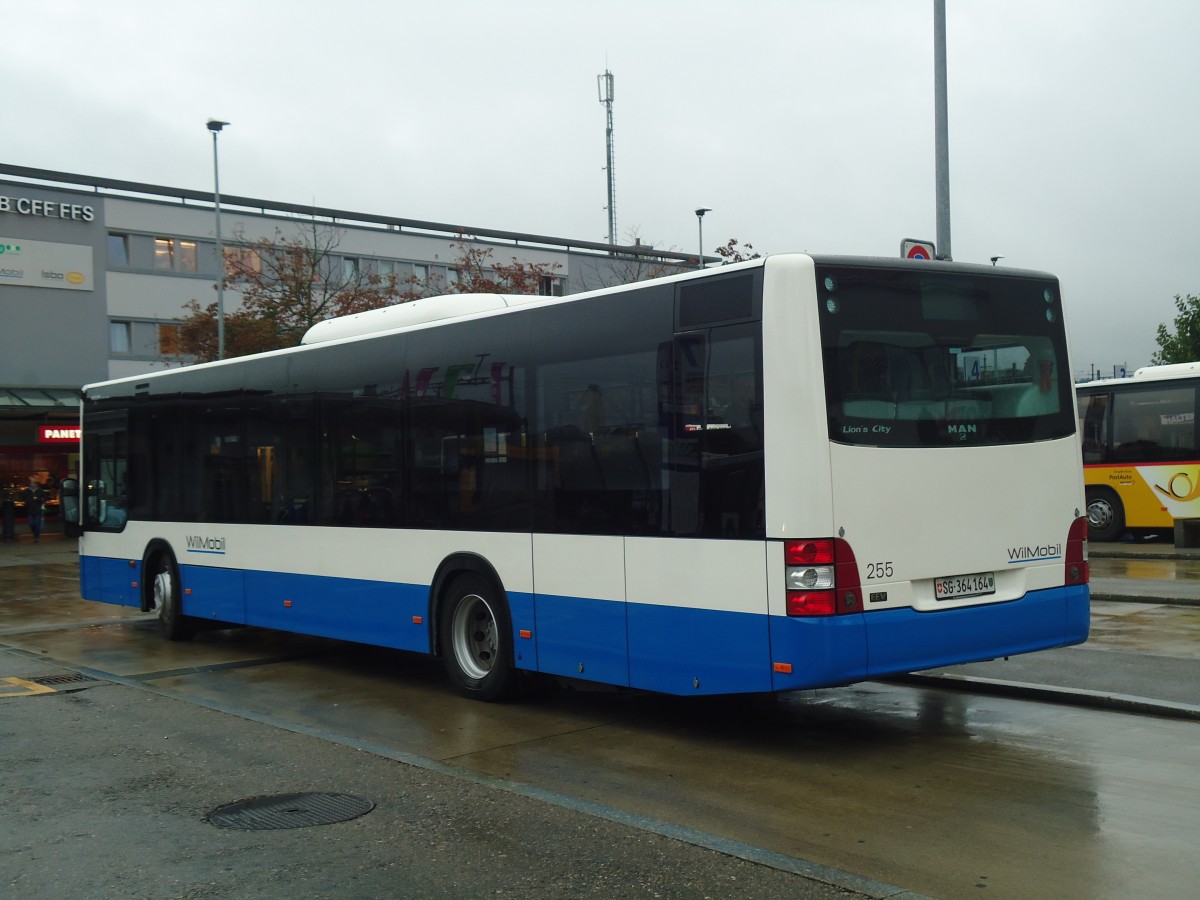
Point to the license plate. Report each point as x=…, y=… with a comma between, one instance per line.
x=954, y=587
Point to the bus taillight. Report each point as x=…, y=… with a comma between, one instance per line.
x=822, y=577
x=1078, y=570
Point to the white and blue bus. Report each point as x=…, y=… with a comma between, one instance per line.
x=795, y=472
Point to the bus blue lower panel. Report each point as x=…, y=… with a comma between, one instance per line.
x=218, y=595
x=582, y=638
x=108, y=581
x=370, y=612
x=907, y=641
x=817, y=652
x=524, y=620
x=677, y=650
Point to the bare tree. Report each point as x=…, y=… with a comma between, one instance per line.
x=733, y=252
x=638, y=264
x=477, y=274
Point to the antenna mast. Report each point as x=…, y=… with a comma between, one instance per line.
x=604, y=87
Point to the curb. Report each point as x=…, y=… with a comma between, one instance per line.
x=1145, y=598
x=1151, y=551
x=1052, y=694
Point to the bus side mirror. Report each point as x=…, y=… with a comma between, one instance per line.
x=69, y=497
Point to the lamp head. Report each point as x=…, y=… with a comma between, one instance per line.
x=216, y=125
x=702, y=211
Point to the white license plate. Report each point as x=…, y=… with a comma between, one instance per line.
x=954, y=587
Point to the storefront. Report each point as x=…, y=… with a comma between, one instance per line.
x=39, y=437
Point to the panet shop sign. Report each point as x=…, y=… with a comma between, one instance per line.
x=50, y=209
x=59, y=434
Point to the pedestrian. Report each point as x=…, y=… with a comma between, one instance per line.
x=35, y=501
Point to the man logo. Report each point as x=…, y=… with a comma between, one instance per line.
x=962, y=431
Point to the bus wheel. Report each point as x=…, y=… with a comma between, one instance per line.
x=476, y=639
x=169, y=601
x=1105, y=515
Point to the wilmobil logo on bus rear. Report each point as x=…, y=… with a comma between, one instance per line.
x=199, y=544
x=1039, y=553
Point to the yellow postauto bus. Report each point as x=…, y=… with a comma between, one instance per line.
x=1141, y=461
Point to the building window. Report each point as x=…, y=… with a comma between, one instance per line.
x=186, y=256
x=118, y=249
x=349, y=268
x=164, y=253
x=242, y=262
x=168, y=339
x=550, y=286
x=118, y=337
x=387, y=267
x=171, y=255
x=421, y=274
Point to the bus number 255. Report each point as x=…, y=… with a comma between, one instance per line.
x=879, y=570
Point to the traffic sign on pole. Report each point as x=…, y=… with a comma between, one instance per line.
x=911, y=248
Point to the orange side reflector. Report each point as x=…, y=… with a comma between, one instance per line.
x=526, y=633
x=417, y=620
x=133, y=564
x=783, y=668
x=188, y=591
x=133, y=584
x=287, y=603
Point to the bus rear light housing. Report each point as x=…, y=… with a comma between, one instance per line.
x=1077, y=568
x=808, y=553
x=821, y=578
x=811, y=603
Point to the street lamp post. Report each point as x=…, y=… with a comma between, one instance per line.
x=700, y=223
x=941, y=130
x=215, y=126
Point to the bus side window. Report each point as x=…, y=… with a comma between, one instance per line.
x=1093, y=427
x=715, y=463
x=97, y=507
x=106, y=473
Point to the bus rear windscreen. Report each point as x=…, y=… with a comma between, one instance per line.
x=914, y=358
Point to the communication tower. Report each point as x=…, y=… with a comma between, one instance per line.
x=604, y=87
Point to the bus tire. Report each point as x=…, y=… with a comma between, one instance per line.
x=168, y=599
x=475, y=633
x=1105, y=515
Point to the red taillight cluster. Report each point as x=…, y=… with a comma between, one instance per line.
x=1078, y=569
x=822, y=577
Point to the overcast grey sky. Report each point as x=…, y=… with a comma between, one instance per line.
x=803, y=124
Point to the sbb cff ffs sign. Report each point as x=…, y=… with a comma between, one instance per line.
x=911, y=248
x=57, y=434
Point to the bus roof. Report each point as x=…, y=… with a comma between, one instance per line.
x=428, y=310
x=1167, y=372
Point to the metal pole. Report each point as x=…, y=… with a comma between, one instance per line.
x=941, y=130
x=700, y=222
x=215, y=127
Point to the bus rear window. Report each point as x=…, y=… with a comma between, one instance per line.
x=918, y=358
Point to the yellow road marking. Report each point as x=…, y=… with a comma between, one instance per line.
x=28, y=688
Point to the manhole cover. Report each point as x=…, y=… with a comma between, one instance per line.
x=289, y=811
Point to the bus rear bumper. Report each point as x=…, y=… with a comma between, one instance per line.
x=846, y=649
